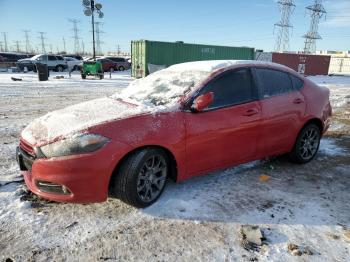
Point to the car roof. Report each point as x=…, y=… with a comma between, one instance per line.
x=214, y=65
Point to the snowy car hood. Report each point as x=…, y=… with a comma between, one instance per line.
x=77, y=118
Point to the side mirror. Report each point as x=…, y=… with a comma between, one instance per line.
x=202, y=102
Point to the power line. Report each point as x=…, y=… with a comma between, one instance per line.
x=42, y=40
x=317, y=12
x=282, y=40
x=75, y=35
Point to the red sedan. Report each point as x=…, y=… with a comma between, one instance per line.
x=180, y=122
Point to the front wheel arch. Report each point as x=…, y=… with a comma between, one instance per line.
x=170, y=155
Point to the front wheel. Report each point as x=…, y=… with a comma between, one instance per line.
x=141, y=177
x=307, y=144
x=59, y=68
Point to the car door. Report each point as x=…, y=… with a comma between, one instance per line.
x=226, y=132
x=52, y=62
x=282, y=106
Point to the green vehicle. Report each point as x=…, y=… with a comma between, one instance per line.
x=92, y=68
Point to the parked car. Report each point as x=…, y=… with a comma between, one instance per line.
x=78, y=57
x=122, y=63
x=177, y=123
x=12, y=57
x=107, y=65
x=73, y=63
x=54, y=62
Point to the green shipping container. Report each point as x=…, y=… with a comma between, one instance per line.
x=148, y=56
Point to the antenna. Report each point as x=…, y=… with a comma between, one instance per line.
x=286, y=9
x=5, y=41
x=26, y=36
x=317, y=12
x=75, y=35
x=42, y=39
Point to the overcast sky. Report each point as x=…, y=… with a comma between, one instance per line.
x=225, y=22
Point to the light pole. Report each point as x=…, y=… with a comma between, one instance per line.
x=90, y=8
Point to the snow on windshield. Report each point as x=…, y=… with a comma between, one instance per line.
x=164, y=87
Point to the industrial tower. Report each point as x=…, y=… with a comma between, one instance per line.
x=4, y=34
x=75, y=35
x=42, y=40
x=26, y=35
x=317, y=11
x=98, y=38
x=282, y=41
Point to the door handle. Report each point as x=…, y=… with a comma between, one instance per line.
x=298, y=101
x=251, y=112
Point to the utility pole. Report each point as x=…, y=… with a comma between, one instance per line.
x=75, y=35
x=51, y=49
x=1, y=47
x=26, y=36
x=282, y=40
x=317, y=12
x=4, y=34
x=42, y=39
x=64, y=45
x=118, y=49
x=18, y=49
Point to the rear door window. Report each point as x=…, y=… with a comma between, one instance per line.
x=231, y=88
x=273, y=82
x=52, y=58
x=297, y=82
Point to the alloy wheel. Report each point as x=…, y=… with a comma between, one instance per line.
x=152, y=177
x=309, y=144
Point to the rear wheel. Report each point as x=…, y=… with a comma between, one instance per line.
x=121, y=68
x=141, y=177
x=307, y=144
x=83, y=76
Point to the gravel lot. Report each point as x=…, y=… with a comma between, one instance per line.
x=199, y=219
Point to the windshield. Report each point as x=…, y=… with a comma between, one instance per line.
x=35, y=57
x=164, y=87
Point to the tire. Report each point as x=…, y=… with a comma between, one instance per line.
x=121, y=68
x=59, y=68
x=306, y=145
x=141, y=178
x=83, y=76
x=101, y=77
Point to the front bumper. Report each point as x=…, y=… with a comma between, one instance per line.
x=86, y=176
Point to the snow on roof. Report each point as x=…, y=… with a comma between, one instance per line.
x=213, y=65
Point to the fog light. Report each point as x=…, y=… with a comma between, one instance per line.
x=49, y=187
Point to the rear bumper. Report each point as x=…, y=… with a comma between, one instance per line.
x=86, y=176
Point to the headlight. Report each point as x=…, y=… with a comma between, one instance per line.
x=75, y=145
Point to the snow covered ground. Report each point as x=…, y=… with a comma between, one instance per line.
x=199, y=219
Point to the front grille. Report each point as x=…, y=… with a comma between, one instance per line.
x=27, y=148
